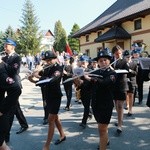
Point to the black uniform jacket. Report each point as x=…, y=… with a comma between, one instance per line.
x=85, y=87
x=102, y=94
x=68, y=69
x=12, y=65
x=53, y=88
x=121, y=81
x=132, y=73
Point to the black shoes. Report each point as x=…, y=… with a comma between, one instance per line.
x=45, y=121
x=67, y=108
x=21, y=130
x=129, y=114
x=60, y=140
x=118, y=132
x=108, y=143
x=82, y=125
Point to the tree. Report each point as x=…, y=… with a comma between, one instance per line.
x=9, y=33
x=60, y=37
x=73, y=42
x=1, y=41
x=29, y=39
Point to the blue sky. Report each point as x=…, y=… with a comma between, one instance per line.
x=49, y=11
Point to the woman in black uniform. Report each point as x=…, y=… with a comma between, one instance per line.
x=102, y=95
x=121, y=86
x=53, y=96
x=131, y=80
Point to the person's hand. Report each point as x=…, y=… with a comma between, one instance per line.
x=87, y=77
x=1, y=114
x=1, y=59
x=57, y=73
x=64, y=72
x=9, y=80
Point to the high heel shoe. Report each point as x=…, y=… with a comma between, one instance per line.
x=108, y=143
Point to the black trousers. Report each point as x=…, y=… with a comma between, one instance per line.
x=10, y=101
x=86, y=101
x=16, y=110
x=140, y=90
x=68, y=91
x=148, y=98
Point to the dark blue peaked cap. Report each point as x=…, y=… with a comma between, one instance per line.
x=10, y=42
x=49, y=55
x=103, y=54
x=84, y=58
x=127, y=53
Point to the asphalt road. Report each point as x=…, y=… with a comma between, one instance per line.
x=135, y=136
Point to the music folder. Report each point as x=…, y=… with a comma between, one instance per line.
x=43, y=81
x=144, y=63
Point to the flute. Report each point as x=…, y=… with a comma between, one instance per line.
x=70, y=79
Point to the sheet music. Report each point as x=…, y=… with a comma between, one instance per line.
x=44, y=81
x=78, y=71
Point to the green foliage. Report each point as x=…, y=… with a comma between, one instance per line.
x=73, y=42
x=29, y=39
x=9, y=33
x=60, y=37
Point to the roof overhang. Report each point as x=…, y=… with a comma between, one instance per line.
x=131, y=17
x=114, y=33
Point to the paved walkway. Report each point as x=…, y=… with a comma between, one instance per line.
x=136, y=130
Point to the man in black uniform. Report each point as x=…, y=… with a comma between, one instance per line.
x=10, y=86
x=67, y=73
x=12, y=64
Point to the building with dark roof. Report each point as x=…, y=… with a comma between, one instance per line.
x=47, y=40
x=123, y=23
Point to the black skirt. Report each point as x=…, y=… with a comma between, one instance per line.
x=102, y=115
x=53, y=104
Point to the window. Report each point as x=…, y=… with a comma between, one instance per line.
x=99, y=49
x=87, y=38
x=137, y=24
x=87, y=52
x=99, y=33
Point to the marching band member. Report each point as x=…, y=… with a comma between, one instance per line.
x=121, y=86
x=102, y=95
x=9, y=69
x=67, y=73
x=131, y=76
x=53, y=96
x=85, y=91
